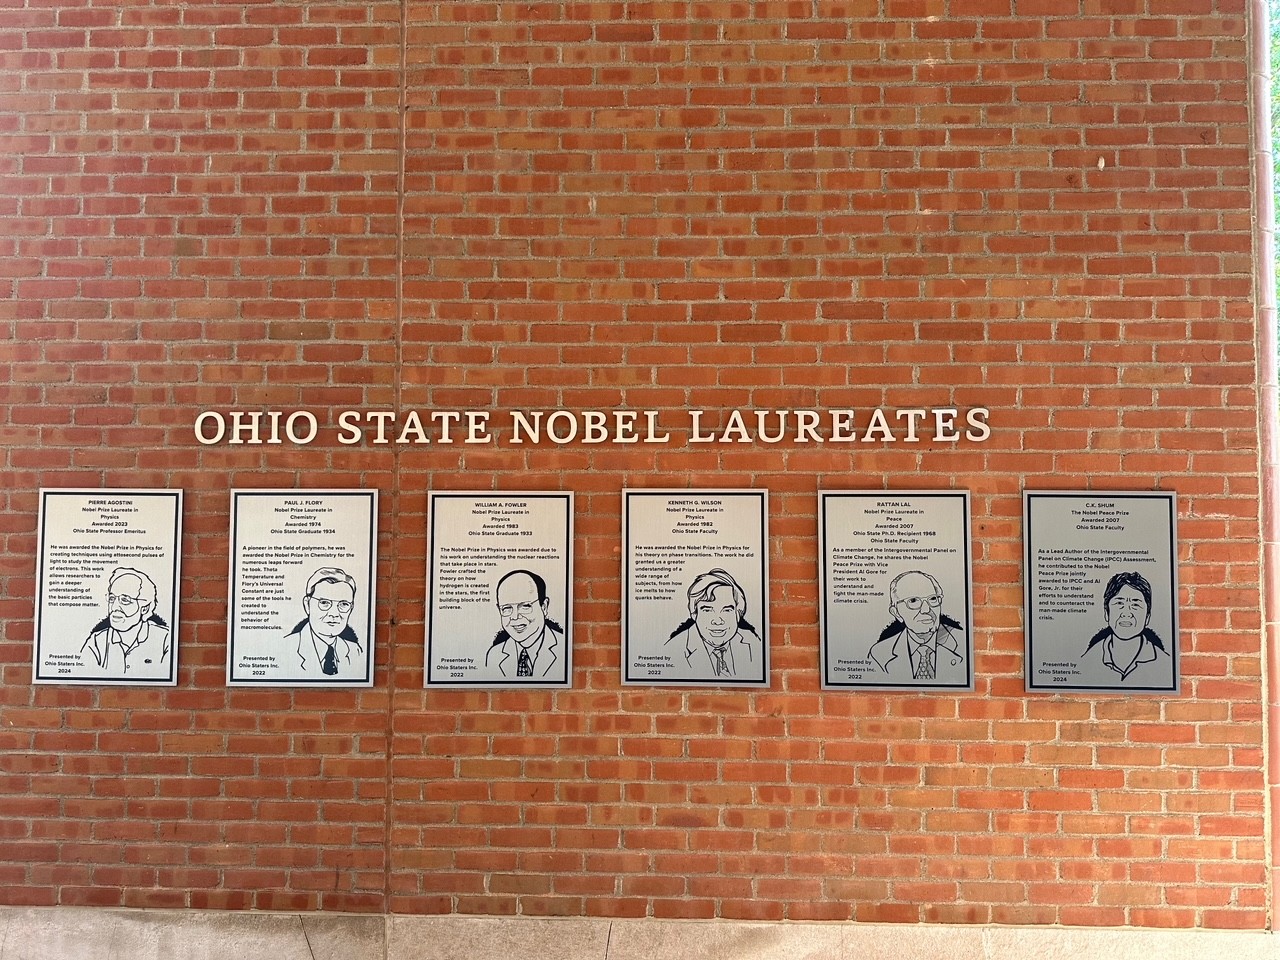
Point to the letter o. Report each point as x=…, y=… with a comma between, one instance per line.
x=573, y=426
x=311, y=423
x=199, y=428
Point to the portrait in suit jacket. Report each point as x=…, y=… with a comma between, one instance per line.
x=922, y=645
x=717, y=641
x=324, y=640
x=530, y=645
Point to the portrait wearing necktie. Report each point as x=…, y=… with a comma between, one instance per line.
x=716, y=642
x=530, y=645
x=922, y=645
x=325, y=642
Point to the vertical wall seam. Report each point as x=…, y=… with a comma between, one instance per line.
x=1268, y=428
x=395, y=511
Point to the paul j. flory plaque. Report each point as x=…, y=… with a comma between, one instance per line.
x=301, y=604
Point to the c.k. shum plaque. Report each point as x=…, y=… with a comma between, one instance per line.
x=302, y=585
x=499, y=590
x=1101, y=574
x=896, y=590
x=695, y=588
x=107, y=584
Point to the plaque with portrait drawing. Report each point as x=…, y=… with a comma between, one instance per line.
x=695, y=588
x=1101, y=592
x=107, y=585
x=896, y=590
x=302, y=588
x=499, y=590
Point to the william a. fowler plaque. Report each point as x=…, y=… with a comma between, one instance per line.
x=499, y=590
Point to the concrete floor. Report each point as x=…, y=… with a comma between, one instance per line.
x=69, y=933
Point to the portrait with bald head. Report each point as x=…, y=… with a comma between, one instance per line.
x=922, y=645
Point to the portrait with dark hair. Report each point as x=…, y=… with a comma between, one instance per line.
x=717, y=641
x=530, y=644
x=323, y=640
x=1127, y=646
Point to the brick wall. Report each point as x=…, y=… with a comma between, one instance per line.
x=1040, y=207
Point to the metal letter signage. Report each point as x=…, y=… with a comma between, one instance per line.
x=1101, y=591
x=896, y=594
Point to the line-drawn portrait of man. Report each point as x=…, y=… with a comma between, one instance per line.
x=132, y=637
x=324, y=641
x=530, y=644
x=1127, y=645
x=922, y=644
x=717, y=641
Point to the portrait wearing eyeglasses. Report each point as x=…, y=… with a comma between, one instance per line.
x=923, y=645
x=132, y=640
x=530, y=644
x=324, y=641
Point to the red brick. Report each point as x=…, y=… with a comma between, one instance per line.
x=822, y=208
